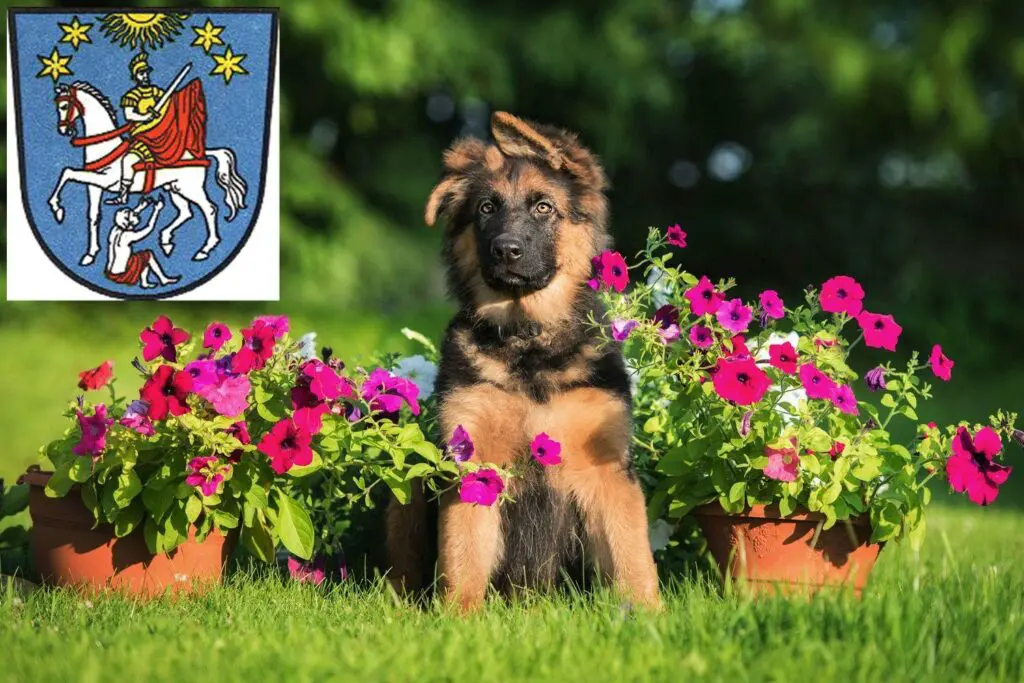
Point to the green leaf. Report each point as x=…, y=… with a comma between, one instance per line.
x=128, y=486
x=257, y=497
x=818, y=440
x=265, y=413
x=400, y=488
x=737, y=492
x=158, y=500
x=81, y=470
x=653, y=425
x=810, y=463
x=910, y=412
x=259, y=540
x=419, y=470
x=225, y=519
x=786, y=506
x=60, y=483
x=193, y=508
x=294, y=527
x=420, y=339
x=303, y=470
x=128, y=519
x=888, y=401
x=428, y=451
x=14, y=500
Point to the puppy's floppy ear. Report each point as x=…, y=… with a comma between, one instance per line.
x=518, y=138
x=445, y=197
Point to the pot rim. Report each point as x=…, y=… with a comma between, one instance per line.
x=35, y=477
x=771, y=513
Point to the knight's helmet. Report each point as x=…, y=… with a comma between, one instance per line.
x=140, y=62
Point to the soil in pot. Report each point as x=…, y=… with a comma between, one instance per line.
x=68, y=551
x=762, y=552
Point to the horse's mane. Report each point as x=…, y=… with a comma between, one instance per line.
x=100, y=97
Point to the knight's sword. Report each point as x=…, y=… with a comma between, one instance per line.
x=171, y=88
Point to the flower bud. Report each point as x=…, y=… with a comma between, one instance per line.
x=875, y=379
x=1018, y=436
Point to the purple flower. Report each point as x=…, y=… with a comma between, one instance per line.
x=701, y=336
x=745, y=423
x=135, y=418
x=203, y=373
x=771, y=306
x=481, y=487
x=667, y=320
x=734, y=316
x=622, y=328
x=875, y=379
x=460, y=446
x=844, y=399
x=94, y=432
x=279, y=323
x=385, y=393
x=546, y=450
x=314, y=572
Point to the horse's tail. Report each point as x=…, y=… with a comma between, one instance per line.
x=229, y=180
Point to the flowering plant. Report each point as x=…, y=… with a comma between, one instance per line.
x=229, y=436
x=748, y=403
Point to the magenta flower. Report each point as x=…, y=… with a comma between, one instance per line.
x=703, y=297
x=314, y=572
x=287, y=445
x=875, y=379
x=166, y=392
x=257, y=348
x=611, y=270
x=667, y=320
x=701, y=336
x=279, y=323
x=309, y=408
x=546, y=450
x=622, y=328
x=94, y=432
x=324, y=382
x=385, y=393
x=135, y=418
x=216, y=335
x=942, y=366
x=162, y=339
x=837, y=449
x=675, y=236
x=739, y=347
x=783, y=464
x=240, y=430
x=816, y=383
x=205, y=475
x=771, y=306
x=203, y=373
x=228, y=396
x=740, y=380
x=734, y=316
x=783, y=357
x=842, y=294
x=460, y=446
x=481, y=487
x=971, y=468
x=844, y=399
x=880, y=331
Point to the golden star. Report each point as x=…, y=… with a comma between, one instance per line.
x=55, y=66
x=228, y=64
x=75, y=33
x=207, y=36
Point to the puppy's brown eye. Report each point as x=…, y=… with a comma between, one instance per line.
x=487, y=206
x=544, y=208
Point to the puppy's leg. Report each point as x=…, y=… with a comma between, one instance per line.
x=470, y=540
x=593, y=426
x=406, y=529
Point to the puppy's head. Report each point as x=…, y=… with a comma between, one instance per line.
x=525, y=215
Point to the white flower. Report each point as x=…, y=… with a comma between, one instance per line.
x=419, y=371
x=659, y=534
x=307, y=346
x=662, y=290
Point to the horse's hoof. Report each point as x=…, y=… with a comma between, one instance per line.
x=87, y=260
x=167, y=248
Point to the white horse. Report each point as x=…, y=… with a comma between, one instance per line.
x=101, y=171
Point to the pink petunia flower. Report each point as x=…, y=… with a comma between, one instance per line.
x=667, y=320
x=279, y=323
x=546, y=450
x=257, y=348
x=166, y=392
x=385, y=393
x=162, y=339
x=308, y=408
x=842, y=294
x=229, y=396
x=324, y=382
x=738, y=348
x=771, y=306
x=972, y=468
x=97, y=378
x=94, y=432
x=203, y=373
x=701, y=336
x=481, y=487
x=240, y=430
x=734, y=316
x=816, y=383
x=622, y=328
x=287, y=445
x=135, y=418
x=783, y=357
x=205, y=474
x=942, y=366
x=703, y=297
x=783, y=464
x=844, y=399
x=314, y=572
x=675, y=236
x=460, y=446
x=880, y=331
x=216, y=335
x=611, y=270
x=740, y=380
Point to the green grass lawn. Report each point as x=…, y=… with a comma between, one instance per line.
x=953, y=612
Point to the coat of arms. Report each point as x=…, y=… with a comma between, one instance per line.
x=142, y=141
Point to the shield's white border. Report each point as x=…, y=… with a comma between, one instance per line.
x=253, y=275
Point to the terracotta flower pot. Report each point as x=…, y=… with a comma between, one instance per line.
x=763, y=552
x=68, y=551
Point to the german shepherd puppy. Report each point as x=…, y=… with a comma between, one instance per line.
x=525, y=216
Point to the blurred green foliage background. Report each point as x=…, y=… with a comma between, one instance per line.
x=792, y=139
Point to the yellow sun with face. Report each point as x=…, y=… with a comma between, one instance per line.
x=142, y=29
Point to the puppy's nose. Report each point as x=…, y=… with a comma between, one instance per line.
x=506, y=248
